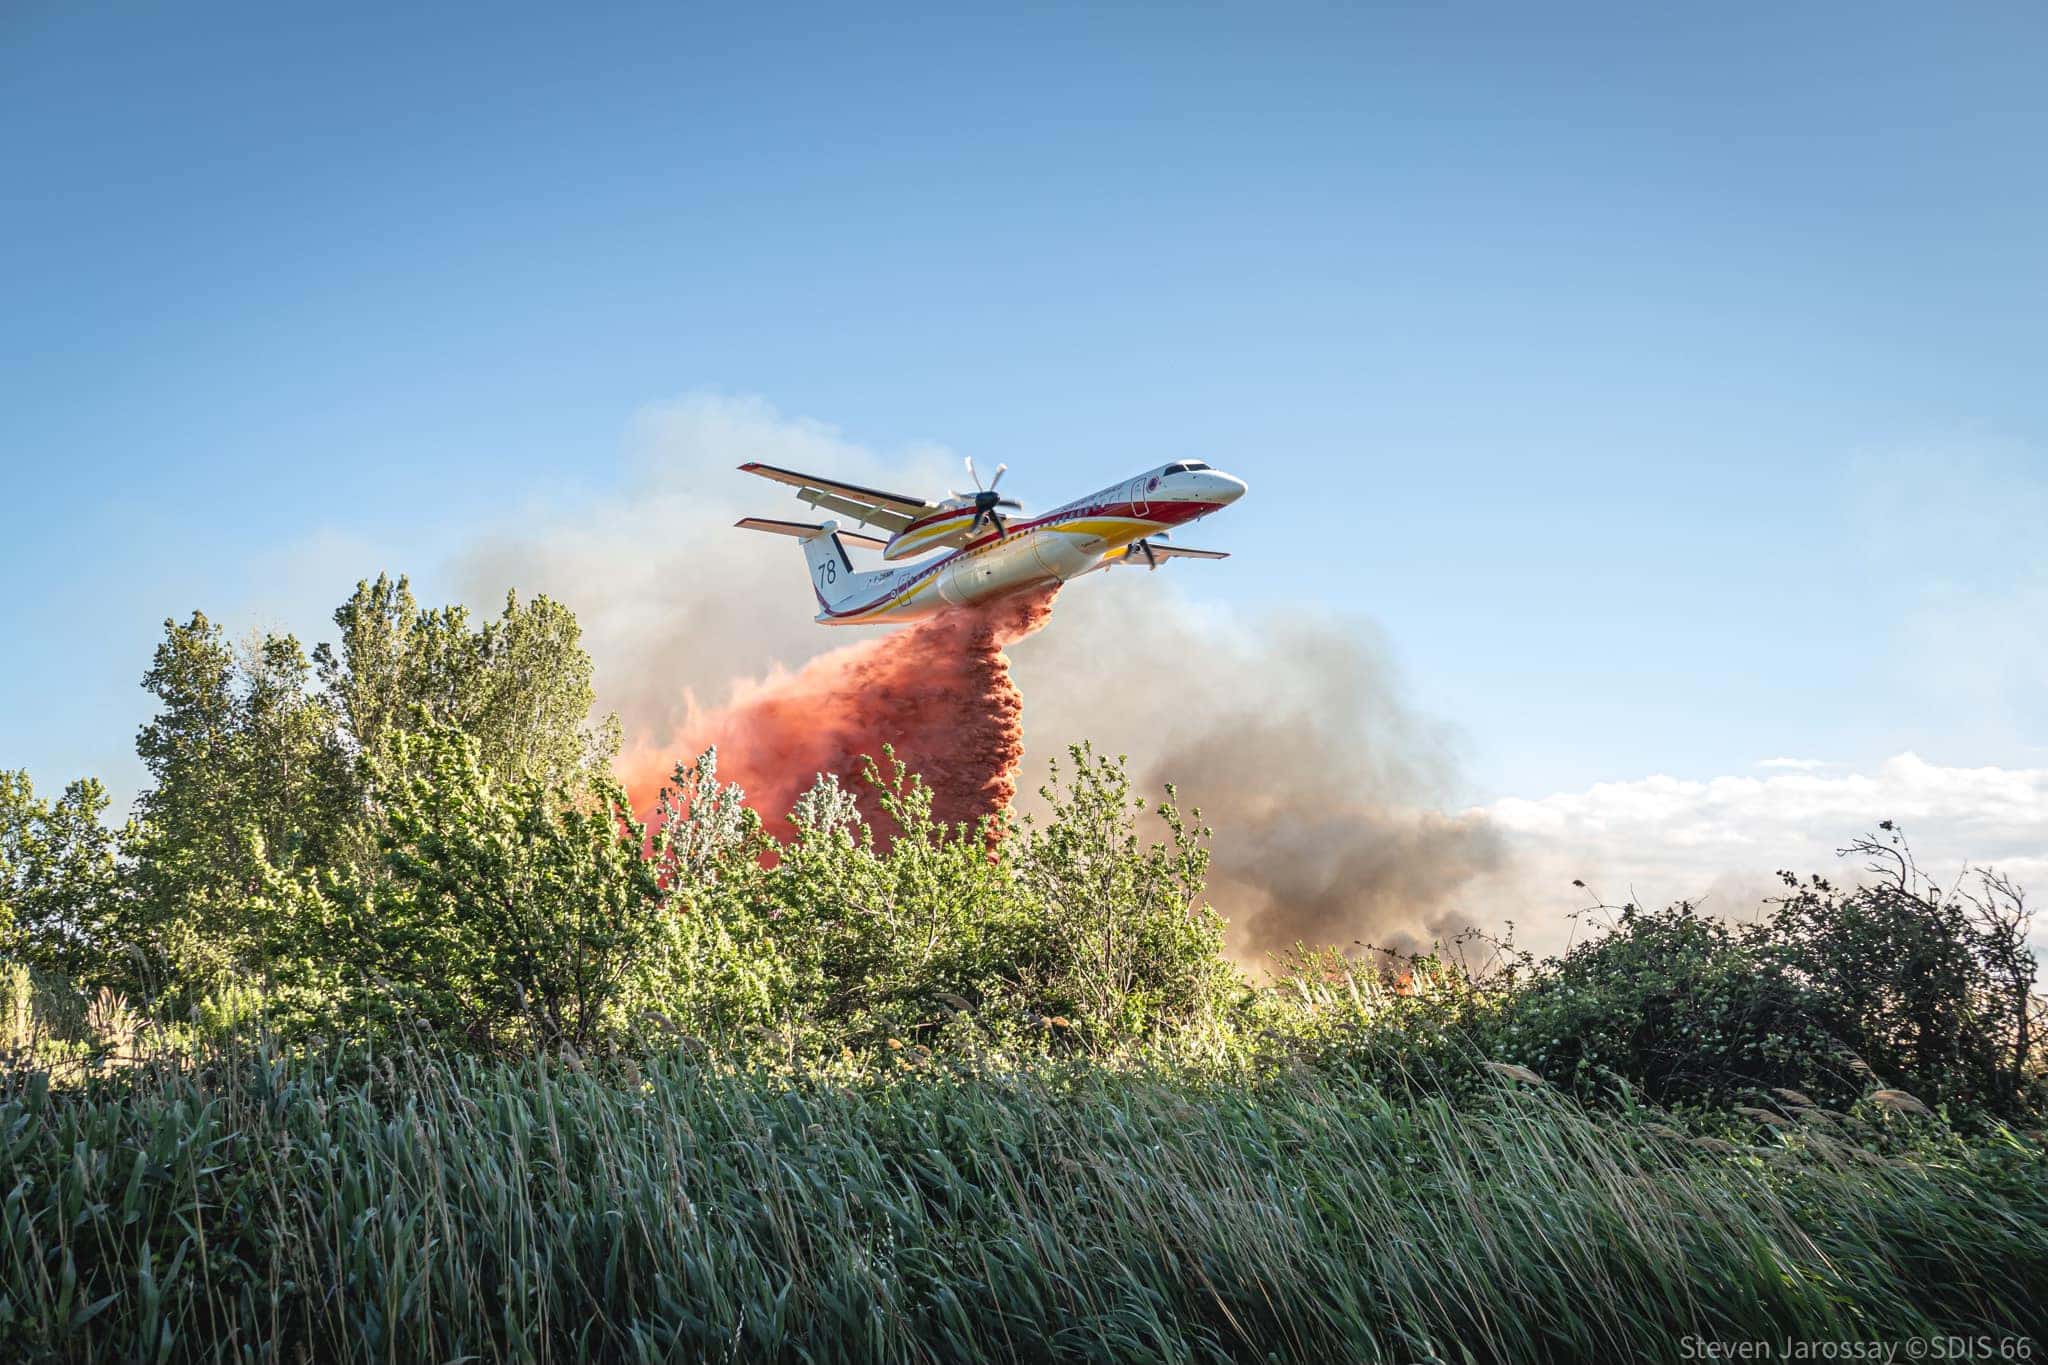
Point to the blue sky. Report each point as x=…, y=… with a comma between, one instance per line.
x=1670, y=386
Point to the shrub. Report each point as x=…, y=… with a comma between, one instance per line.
x=1892, y=982
x=1676, y=1005
x=1123, y=939
x=1414, y=1025
x=1932, y=990
x=845, y=941
x=510, y=908
x=1072, y=931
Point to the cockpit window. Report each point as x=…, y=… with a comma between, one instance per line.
x=1185, y=467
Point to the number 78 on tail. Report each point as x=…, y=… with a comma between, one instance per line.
x=977, y=553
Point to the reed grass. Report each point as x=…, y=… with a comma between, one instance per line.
x=425, y=1208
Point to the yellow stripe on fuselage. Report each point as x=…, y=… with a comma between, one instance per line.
x=889, y=605
x=1115, y=530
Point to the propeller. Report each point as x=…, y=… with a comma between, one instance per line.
x=1145, y=545
x=986, y=500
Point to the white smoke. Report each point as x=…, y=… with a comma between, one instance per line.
x=674, y=601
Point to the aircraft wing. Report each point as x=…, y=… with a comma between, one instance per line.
x=1131, y=554
x=801, y=529
x=869, y=506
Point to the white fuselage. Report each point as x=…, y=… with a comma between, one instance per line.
x=1033, y=552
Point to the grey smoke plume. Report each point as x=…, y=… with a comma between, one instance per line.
x=1326, y=789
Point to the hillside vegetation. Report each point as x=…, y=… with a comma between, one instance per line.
x=385, y=1030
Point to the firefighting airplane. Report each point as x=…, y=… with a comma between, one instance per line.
x=989, y=555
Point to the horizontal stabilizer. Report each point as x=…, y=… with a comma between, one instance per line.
x=804, y=530
x=868, y=506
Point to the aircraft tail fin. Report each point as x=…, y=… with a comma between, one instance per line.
x=832, y=573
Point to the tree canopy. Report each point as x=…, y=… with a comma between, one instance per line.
x=415, y=829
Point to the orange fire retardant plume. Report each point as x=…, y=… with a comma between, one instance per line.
x=939, y=691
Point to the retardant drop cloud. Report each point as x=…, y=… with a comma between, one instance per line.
x=938, y=693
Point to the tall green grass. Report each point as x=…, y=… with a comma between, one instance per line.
x=427, y=1209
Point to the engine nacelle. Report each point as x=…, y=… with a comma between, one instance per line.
x=941, y=528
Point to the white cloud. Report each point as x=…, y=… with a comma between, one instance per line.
x=1660, y=839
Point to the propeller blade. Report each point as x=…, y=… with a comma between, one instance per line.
x=1009, y=502
x=1151, y=559
x=998, y=478
x=972, y=475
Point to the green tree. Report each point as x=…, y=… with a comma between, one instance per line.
x=267, y=762
x=293, y=772
x=60, y=886
x=512, y=908
x=1127, y=942
x=249, y=782
x=189, y=838
x=520, y=685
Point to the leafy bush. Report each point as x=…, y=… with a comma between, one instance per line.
x=1075, y=933
x=1412, y=1025
x=1931, y=990
x=511, y=908
x=1836, y=989
x=1676, y=1005
x=1123, y=939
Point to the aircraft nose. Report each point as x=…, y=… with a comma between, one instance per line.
x=1221, y=488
